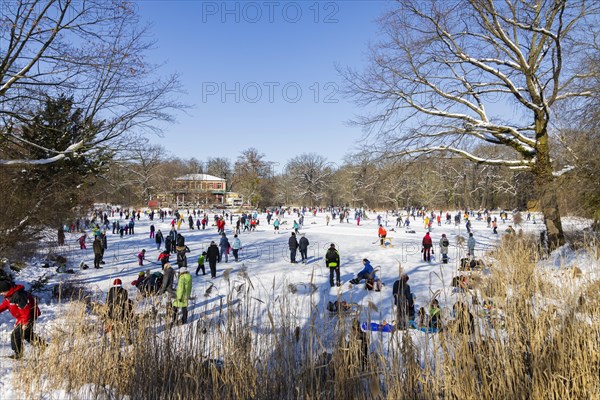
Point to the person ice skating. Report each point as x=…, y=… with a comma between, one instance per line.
x=212, y=253
x=182, y=256
x=444, y=245
x=276, y=226
x=97, y=247
x=495, y=227
x=471, y=245
x=224, y=247
x=141, y=257
x=404, y=301
x=293, y=246
x=163, y=257
x=81, y=241
x=327, y=219
x=236, y=246
x=427, y=247
x=382, y=234
x=25, y=310
x=158, y=238
x=296, y=227
x=182, y=295
x=510, y=230
x=303, y=247
x=173, y=241
x=201, y=260
x=366, y=273
x=332, y=260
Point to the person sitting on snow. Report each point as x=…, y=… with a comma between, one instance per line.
x=366, y=273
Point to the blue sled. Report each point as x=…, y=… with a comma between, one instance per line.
x=377, y=327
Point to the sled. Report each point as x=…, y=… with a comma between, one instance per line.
x=377, y=327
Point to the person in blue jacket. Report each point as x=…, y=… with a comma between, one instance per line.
x=366, y=273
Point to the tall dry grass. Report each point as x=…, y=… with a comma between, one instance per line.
x=544, y=347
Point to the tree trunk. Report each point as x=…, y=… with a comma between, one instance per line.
x=545, y=184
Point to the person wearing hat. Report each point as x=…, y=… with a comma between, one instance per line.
x=427, y=246
x=332, y=260
x=293, y=246
x=184, y=291
x=119, y=307
x=212, y=254
x=367, y=272
x=23, y=306
x=303, y=246
x=444, y=245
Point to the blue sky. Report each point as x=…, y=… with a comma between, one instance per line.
x=262, y=74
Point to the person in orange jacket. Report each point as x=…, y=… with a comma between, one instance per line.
x=382, y=234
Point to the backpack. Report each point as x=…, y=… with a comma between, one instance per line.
x=445, y=243
x=373, y=284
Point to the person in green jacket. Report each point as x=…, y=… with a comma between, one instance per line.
x=201, y=263
x=184, y=291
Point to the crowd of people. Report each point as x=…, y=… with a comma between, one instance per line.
x=174, y=281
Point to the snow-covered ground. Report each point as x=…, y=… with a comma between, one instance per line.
x=265, y=258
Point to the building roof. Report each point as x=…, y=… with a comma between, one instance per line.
x=199, y=177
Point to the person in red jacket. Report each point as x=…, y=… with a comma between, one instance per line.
x=23, y=307
x=427, y=245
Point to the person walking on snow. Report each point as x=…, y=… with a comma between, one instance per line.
x=427, y=247
x=201, y=264
x=158, y=238
x=97, y=246
x=24, y=308
x=224, y=247
x=332, y=261
x=444, y=245
x=303, y=246
x=236, y=246
x=182, y=295
x=471, y=245
x=293, y=246
x=212, y=253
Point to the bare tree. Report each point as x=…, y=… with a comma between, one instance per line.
x=358, y=180
x=220, y=167
x=141, y=162
x=91, y=50
x=251, y=175
x=309, y=173
x=437, y=79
